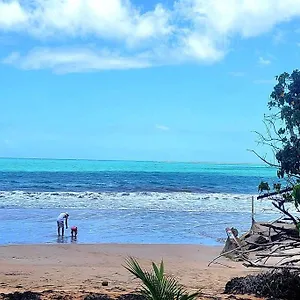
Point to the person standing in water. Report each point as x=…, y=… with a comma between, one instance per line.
x=61, y=219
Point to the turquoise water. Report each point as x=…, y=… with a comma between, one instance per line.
x=128, y=201
x=69, y=165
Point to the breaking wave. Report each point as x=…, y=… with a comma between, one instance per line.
x=177, y=201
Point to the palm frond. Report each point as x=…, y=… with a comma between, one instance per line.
x=156, y=285
x=157, y=271
x=134, y=268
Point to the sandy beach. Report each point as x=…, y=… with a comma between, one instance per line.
x=78, y=269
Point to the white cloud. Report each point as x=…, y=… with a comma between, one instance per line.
x=12, y=16
x=162, y=127
x=200, y=47
x=191, y=30
x=245, y=17
x=279, y=37
x=263, y=61
x=113, y=19
x=74, y=60
x=12, y=58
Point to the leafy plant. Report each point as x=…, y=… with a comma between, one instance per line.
x=296, y=195
x=263, y=186
x=156, y=284
x=282, y=137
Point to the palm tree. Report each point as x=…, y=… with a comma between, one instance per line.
x=157, y=285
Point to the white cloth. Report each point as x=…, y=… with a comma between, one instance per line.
x=61, y=217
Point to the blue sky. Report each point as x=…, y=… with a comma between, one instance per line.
x=184, y=80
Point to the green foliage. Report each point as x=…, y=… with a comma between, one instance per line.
x=298, y=226
x=288, y=197
x=285, y=101
x=263, y=186
x=277, y=187
x=157, y=285
x=283, y=137
x=296, y=195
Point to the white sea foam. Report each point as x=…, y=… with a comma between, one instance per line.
x=177, y=201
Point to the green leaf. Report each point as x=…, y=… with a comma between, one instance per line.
x=263, y=186
x=296, y=194
x=277, y=187
x=157, y=272
x=298, y=226
x=162, y=271
x=156, y=285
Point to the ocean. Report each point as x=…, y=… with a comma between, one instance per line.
x=128, y=201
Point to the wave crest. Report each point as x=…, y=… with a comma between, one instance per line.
x=177, y=201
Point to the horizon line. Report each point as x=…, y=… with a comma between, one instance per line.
x=129, y=160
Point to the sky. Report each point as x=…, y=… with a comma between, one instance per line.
x=184, y=80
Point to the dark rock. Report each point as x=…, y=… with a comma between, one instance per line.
x=104, y=283
x=274, y=285
x=131, y=296
x=97, y=297
x=254, y=239
x=21, y=296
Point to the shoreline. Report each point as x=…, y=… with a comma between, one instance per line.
x=78, y=268
x=220, y=245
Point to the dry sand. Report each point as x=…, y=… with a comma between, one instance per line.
x=76, y=269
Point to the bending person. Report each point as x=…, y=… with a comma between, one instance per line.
x=61, y=219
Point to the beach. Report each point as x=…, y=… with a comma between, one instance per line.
x=79, y=269
x=177, y=212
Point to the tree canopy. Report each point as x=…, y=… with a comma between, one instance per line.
x=285, y=101
x=283, y=137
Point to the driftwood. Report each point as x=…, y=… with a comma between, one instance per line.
x=271, y=266
x=273, y=245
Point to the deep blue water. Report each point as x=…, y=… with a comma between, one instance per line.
x=120, y=181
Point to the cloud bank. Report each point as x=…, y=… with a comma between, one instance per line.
x=117, y=34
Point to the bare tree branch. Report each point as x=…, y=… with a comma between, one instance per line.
x=283, y=210
x=274, y=193
x=264, y=160
x=268, y=140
